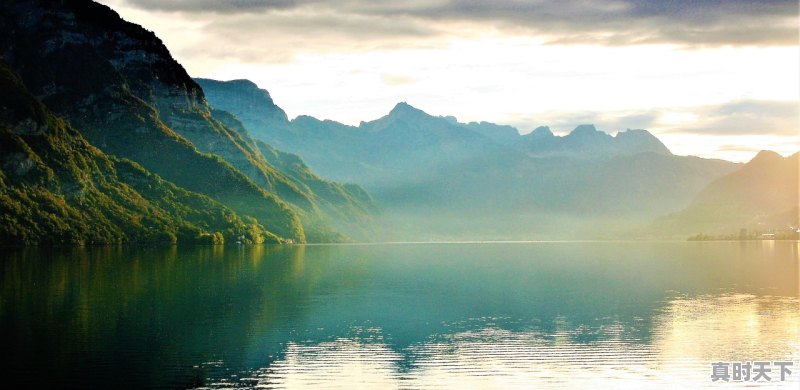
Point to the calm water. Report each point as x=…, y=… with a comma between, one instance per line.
x=512, y=315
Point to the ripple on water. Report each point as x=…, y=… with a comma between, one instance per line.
x=687, y=335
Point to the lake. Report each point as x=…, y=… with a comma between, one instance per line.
x=400, y=316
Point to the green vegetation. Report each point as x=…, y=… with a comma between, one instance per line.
x=326, y=206
x=117, y=85
x=56, y=188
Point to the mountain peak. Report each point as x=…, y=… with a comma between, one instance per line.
x=542, y=132
x=405, y=109
x=636, y=133
x=588, y=133
x=766, y=156
x=243, y=83
x=584, y=129
x=641, y=140
x=236, y=95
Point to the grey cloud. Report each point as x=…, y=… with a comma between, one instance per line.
x=741, y=117
x=310, y=23
x=747, y=117
x=275, y=36
x=613, y=22
x=737, y=148
x=226, y=6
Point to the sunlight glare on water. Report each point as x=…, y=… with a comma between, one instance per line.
x=688, y=334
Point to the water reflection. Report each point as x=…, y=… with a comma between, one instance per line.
x=729, y=327
x=398, y=316
x=688, y=335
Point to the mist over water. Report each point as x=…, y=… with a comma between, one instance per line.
x=462, y=315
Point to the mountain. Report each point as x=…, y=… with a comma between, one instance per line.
x=56, y=188
x=252, y=105
x=374, y=154
x=117, y=84
x=585, y=141
x=439, y=178
x=500, y=134
x=347, y=207
x=761, y=195
x=227, y=145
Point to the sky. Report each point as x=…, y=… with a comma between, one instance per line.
x=712, y=78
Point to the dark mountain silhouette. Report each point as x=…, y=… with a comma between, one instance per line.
x=56, y=188
x=118, y=84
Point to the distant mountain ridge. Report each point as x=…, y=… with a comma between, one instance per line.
x=487, y=180
x=267, y=121
x=585, y=141
x=761, y=195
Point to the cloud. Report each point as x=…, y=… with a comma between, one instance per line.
x=734, y=118
x=227, y=6
x=523, y=63
x=735, y=130
x=279, y=34
x=391, y=79
x=609, y=22
x=738, y=148
x=745, y=117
